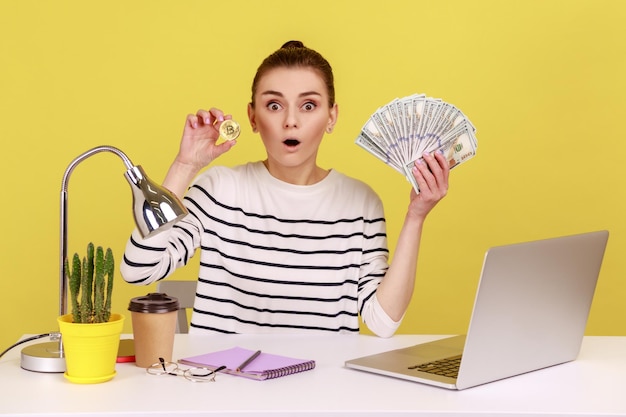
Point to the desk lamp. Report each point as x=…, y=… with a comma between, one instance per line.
x=154, y=208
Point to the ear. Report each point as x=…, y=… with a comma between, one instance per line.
x=251, y=117
x=332, y=118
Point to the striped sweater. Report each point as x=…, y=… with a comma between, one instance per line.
x=274, y=256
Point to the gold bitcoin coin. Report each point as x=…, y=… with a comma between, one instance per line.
x=229, y=130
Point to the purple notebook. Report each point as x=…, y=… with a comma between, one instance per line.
x=263, y=366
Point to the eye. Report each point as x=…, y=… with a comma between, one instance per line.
x=309, y=106
x=273, y=106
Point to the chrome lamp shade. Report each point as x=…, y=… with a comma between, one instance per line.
x=155, y=209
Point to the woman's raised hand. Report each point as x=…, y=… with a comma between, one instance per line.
x=431, y=174
x=198, y=146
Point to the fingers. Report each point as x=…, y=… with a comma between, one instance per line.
x=223, y=147
x=443, y=165
x=206, y=118
x=431, y=174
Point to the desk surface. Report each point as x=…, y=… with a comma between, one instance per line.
x=594, y=384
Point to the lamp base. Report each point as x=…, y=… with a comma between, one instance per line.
x=43, y=357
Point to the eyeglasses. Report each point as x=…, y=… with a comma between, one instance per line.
x=192, y=374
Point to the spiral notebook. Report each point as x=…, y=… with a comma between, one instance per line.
x=264, y=366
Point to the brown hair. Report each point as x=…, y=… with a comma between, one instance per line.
x=294, y=54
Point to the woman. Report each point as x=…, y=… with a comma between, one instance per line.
x=286, y=245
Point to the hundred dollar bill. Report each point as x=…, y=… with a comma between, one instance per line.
x=458, y=147
x=399, y=133
x=369, y=145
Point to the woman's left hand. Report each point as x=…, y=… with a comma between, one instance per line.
x=431, y=174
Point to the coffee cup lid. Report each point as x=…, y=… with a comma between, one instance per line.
x=154, y=302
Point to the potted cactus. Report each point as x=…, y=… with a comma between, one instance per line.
x=90, y=360
x=91, y=285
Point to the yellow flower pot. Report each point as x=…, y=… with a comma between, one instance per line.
x=90, y=349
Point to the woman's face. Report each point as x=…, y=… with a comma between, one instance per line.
x=291, y=114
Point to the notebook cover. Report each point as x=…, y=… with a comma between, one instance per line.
x=265, y=366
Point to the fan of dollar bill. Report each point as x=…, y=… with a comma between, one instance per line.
x=399, y=133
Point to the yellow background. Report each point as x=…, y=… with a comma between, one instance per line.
x=543, y=81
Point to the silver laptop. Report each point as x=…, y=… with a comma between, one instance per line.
x=530, y=312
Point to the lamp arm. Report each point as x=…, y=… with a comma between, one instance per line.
x=63, y=234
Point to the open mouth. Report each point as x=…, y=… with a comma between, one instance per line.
x=291, y=142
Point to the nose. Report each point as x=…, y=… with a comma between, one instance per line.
x=291, y=119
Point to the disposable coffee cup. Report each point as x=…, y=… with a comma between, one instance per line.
x=154, y=326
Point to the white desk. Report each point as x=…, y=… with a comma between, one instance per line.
x=595, y=384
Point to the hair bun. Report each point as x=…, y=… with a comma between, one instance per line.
x=292, y=44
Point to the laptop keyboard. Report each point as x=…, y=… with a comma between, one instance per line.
x=445, y=367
